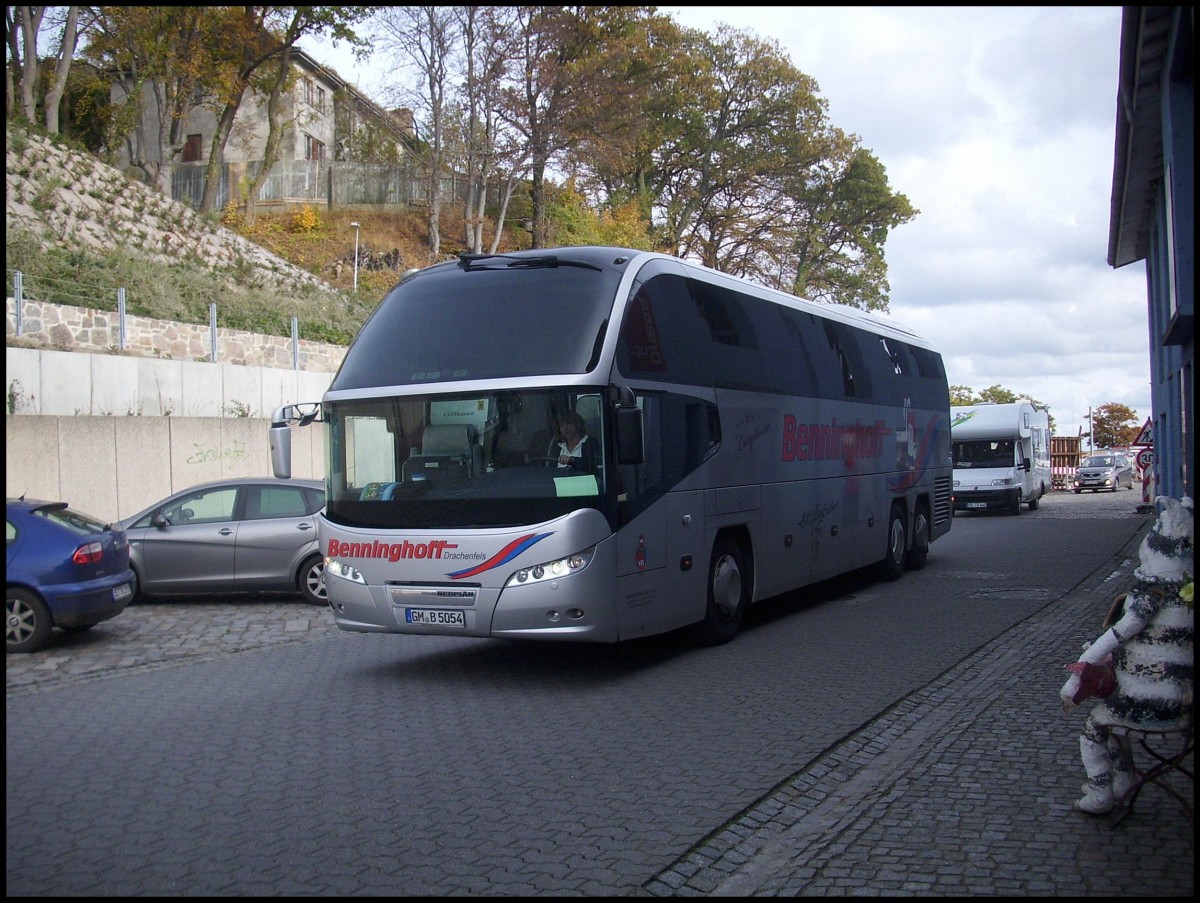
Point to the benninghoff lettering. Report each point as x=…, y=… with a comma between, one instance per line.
x=392, y=551
x=829, y=441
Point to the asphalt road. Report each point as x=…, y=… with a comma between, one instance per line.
x=250, y=748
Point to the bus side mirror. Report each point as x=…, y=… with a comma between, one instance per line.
x=279, y=436
x=629, y=435
x=1026, y=466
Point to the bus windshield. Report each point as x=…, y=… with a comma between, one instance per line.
x=445, y=461
x=490, y=319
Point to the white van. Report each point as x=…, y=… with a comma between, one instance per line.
x=1001, y=456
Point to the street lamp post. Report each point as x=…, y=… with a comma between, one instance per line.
x=355, y=225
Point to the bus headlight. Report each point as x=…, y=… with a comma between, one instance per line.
x=1007, y=481
x=343, y=570
x=552, y=570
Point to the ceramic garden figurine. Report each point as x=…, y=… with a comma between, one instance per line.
x=1150, y=645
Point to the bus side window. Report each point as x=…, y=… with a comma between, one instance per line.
x=662, y=335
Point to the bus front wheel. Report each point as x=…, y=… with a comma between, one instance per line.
x=728, y=593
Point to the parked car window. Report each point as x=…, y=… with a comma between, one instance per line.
x=209, y=507
x=75, y=521
x=274, y=501
x=315, y=499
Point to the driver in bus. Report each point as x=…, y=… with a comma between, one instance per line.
x=575, y=446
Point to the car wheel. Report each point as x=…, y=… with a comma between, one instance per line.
x=28, y=621
x=728, y=594
x=919, y=553
x=892, y=565
x=1077, y=491
x=312, y=580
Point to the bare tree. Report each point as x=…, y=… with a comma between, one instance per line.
x=21, y=26
x=488, y=48
x=425, y=37
x=66, y=52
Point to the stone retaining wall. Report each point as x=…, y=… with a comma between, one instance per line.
x=65, y=328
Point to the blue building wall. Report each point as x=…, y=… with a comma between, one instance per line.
x=1153, y=217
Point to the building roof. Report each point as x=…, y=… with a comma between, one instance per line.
x=404, y=131
x=1138, y=157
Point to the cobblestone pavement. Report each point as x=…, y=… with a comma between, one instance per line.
x=963, y=788
x=150, y=635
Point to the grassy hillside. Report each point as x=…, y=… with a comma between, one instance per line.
x=79, y=229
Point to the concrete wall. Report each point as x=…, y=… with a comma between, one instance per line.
x=72, y=432
x=114, y=466
x=39, y=381
x=113, y=433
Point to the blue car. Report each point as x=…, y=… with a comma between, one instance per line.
x=63, y=568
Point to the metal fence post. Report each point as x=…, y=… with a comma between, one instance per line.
x=121, y=318
x=295, y=343
x=212, y=329
x=18, y=300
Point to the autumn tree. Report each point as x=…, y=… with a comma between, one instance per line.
x=282, y=28
x=163, y=57
x=24, y=78
x=745, y=173
x=1114, y=426
x=253, y=37
x=561, y=71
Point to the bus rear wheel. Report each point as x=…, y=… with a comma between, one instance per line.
x=728, y=593
x=894, y=558
x=919, y=553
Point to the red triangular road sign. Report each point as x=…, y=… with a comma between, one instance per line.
x=1146, y=436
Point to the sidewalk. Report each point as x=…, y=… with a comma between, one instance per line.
x=964, y=788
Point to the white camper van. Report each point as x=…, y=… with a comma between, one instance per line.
x=1001, y=456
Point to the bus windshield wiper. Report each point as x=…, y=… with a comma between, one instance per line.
x=467, y=261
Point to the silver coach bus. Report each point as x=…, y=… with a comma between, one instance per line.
x=743, y=443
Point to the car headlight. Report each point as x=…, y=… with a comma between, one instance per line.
x=552, y=570
x=1006, y=481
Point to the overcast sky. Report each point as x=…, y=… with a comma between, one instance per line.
x=998, y=124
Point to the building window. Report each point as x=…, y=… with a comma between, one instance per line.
x=191, y=149
x=314, y=95
x=313, y=149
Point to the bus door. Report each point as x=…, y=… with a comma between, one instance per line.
x=831, y=512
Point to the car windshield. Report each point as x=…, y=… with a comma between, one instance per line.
x=1099, y=461
x=984, y=453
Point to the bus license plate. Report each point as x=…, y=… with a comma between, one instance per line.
x=435, y=617
x=976, y=504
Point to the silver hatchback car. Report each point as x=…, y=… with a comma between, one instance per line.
x=1107, y=471
x=246, y=535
